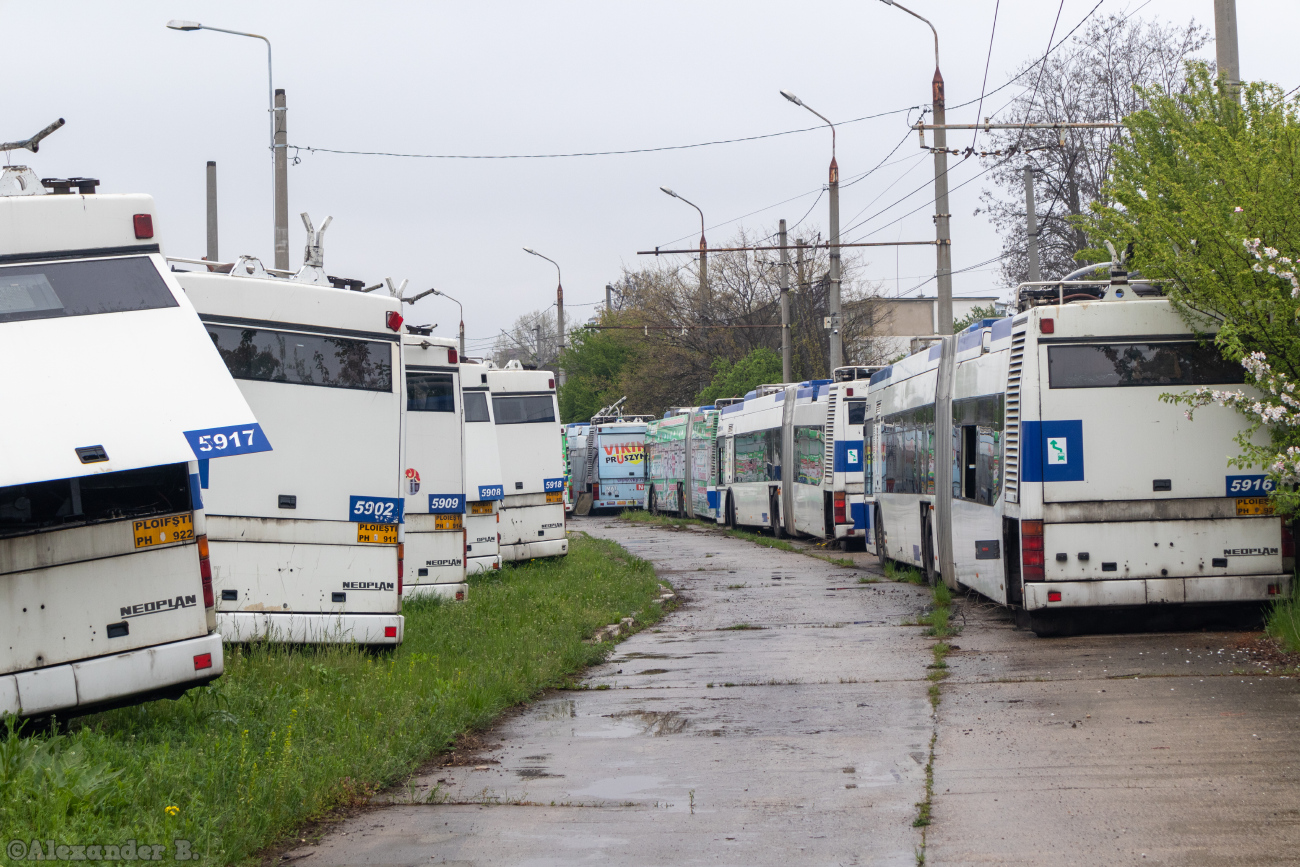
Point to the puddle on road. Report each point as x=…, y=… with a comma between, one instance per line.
x=654, y=722
x=536, y=774
x=556, y=710
x=627, y=788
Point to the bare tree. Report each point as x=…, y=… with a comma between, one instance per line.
x=530, y=341
x=1097, y=76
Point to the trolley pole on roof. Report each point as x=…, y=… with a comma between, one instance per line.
x=942, y=231
x=836, y=358
x=786, y=372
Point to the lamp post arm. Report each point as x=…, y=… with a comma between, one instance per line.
x=270, y=79
x=827, y=122
x=928, y=24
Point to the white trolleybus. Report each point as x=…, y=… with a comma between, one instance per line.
x=435, y=545
x=816, y=429
x=482, y=474
x=307, y=539
x=110, y=389
x=532, y=465
x=682, y=462
x=1032, y=459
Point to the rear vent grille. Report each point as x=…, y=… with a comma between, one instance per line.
x=1011, y=440
x=829, y=435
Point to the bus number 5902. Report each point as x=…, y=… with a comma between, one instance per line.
x=376, y=510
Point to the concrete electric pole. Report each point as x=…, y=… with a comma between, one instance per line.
x=281, y=184
x=787, y=374
x=1225, y=44
x=1031, y=226
x=559, y=313
x=212, y=211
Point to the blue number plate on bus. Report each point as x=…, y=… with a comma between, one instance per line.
x=491, y=492
x=220, y=442
x=1237, y=485
x=446, y=504
x=553, y=484
x=376, y=510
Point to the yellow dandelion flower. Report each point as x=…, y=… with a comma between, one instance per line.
x=172, y=811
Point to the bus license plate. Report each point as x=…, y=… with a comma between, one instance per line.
x=481, y=508
x=447, y=522
x=554, y=497
x=1248, y=507
x=163, y=530
x=377, y=534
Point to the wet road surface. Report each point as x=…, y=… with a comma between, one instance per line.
x=803, y=740
x=800, y=741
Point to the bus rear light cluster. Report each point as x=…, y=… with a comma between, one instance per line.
x=1053, y=595
x=550, y=383
x=452, y=357
x=840, y=512
x=1274, y=589
x=460, y=595
x=143, y=224
x=401, y=565
x=205, y=573
x=202, y=661
x=595, y=490
x=390, y=632
x=1031, y=550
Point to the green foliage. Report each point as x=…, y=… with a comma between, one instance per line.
x=760, y=366
x=975, y=315
x=593, y=363
x=1197, y=176
x=1283, y=621
x=289, y=733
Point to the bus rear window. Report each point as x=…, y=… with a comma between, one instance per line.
x=857, y=412
x=304, y=359
x=429, y=392
x=523, y=409
x=40, y=506
x=476, y=408
x=1119, y=365
x=55, y=289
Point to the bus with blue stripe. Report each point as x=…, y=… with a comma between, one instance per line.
x=1033, y=460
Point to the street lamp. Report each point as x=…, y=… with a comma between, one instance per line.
x=704, y=245
x=559, y=311
x=836, y=347
x=279, y=181
x=462, y=318
x=943, y=237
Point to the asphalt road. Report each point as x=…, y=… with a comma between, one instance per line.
x=802, y=738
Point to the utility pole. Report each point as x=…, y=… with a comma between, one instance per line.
x=786, y=373
x=212, y=211
x=609, y=297
x=281, y=184
x=559, y=312
x=537, y=341
x=1031, y=226
x=1225, y=45
x=943, y=236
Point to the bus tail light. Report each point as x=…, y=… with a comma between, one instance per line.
x=550, y=383
x=1031, y=550
x=401, y=565
x=840, y=517
x=143, y=224
x=1047, y=326
x=453, y=357
x=595, y=490
x=205, y=573
x=393, y=320
x=202, y=661
x=1053, y=595
x=390, y=632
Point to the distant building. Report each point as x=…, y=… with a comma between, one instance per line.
x=901, y=326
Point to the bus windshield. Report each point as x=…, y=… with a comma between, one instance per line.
x=54, y=289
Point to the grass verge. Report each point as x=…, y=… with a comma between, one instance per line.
x=287, y=734
x=641, y=516
x=1283, y=620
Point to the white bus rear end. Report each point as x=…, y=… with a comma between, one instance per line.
x=110, y=386
x=482, y=474
x=526, y=418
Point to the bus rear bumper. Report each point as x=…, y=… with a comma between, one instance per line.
x=532, y=550
x=108, y=681
x=1155, y=591
x=450, y=592
x=475, y=565
x=244, y=626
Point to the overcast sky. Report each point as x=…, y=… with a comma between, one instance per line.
x=147, y=107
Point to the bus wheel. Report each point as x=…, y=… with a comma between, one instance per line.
x=730, y=513
x=774, y=512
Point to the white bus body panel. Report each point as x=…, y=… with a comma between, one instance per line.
x=532, y=467
x=482, y=479
x=152, y=378
x=435, y=484
x=331, y=444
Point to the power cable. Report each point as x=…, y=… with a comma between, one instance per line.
x=987, y=60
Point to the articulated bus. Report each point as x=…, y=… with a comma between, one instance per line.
x=435, y=544
x=682, y=462
x=526, y=418
x=616, y=466
x=483, y=484
x=111, y=393
x=1031, y=459
x=816, y=429
x=307, y=540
